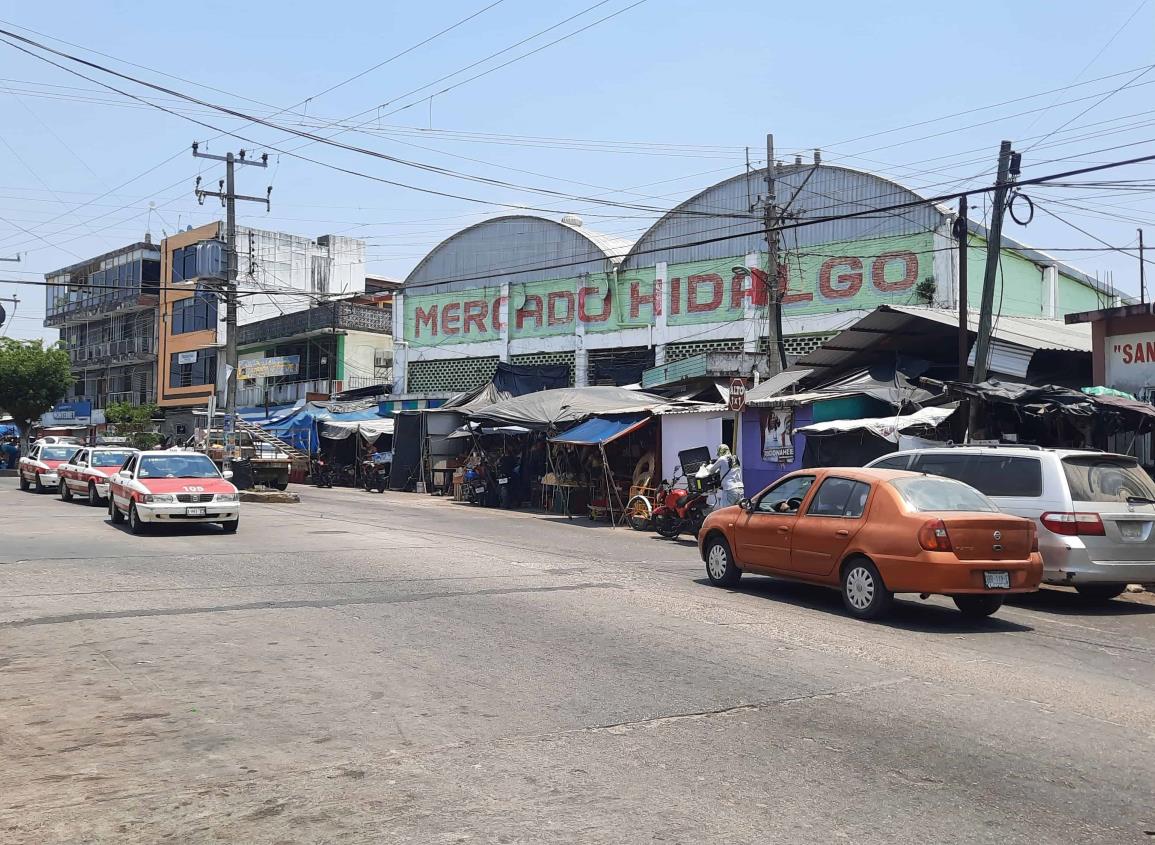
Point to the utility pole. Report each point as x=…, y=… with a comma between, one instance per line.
x=775, y=348
x=1142, y=271
x=228, y=197
x=1008, y=168
x=960, y=232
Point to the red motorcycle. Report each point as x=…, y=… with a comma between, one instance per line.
x=683, y=509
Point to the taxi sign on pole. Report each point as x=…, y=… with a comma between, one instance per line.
x=737, y=394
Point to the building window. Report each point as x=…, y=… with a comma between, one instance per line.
x=195, y=313
x=201, y=260
x=193, y=368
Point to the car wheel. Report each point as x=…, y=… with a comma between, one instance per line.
x=231, y=527
x=280, y=485
x=134, y=522
x=977, y=606
x=720, y=566
x=23, y=483
x=93, y=496
x=1100, y=592
x=38, y=484
x=65, y=491
x=863, y=592
x=114, y=512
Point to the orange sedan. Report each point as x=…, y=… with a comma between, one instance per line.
x=873, y=533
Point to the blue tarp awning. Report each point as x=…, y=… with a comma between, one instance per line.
x=597, y=430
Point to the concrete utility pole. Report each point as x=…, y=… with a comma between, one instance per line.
x=1142, y=271
x=228, y=197
x=1007, y=170
x=961, y=233
x=775, y=348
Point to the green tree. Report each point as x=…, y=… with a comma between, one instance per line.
x=134, y=422
x=33, y=378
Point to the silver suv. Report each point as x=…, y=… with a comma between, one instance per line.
x=1095, y=511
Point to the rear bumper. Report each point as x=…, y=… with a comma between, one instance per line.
x=214, y=512
x=1073, y=564
x=947, y=575
x=49, y=479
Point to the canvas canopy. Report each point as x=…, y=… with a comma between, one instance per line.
x=887, y=428
x=470, y=429
x=598, y=430
x=550, y=409
x=370, y=430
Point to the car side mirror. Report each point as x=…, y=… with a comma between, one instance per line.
x=746, y=505
x=227, y=474
x=124, y=473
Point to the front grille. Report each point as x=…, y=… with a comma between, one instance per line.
x=191, y=498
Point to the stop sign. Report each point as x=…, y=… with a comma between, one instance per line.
x=737, y=394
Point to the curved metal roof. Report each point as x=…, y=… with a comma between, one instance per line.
x=810, y=190
x=515, y=248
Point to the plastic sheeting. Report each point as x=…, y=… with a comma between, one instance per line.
x=599, y=430
x=551, y=408
x=884, y=427
x=370, y=430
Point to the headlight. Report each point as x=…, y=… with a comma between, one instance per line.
x=159, y=499
x=226, y=497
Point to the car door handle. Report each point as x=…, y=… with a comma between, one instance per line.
x=782, y=529
x=842, y=532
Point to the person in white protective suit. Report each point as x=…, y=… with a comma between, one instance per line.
x=730, y=473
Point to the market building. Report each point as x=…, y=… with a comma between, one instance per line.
x=284, y=337
x=1122, y=347
x=105, y=309
x=529, y=290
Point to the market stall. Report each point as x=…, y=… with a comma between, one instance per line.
x=603, y=457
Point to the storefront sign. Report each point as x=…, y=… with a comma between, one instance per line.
x=69, y=413
x=186, y=357
x=286, y=365
x=1130, y=360
x=778, y=435
x=818, y=279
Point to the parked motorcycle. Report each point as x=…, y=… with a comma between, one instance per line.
x=324, y=474
x=375, y=471
x=682, y=508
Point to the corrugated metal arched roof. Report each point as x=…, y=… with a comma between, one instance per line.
x=822, y=190
x=515, y=248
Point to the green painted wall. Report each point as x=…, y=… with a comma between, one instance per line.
x=1026, y=291
x=340, y=357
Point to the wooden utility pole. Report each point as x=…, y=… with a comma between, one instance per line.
x=1142, y=271
x=960, y=232
x=228, y=197
x=775, y=348
x=994, y=246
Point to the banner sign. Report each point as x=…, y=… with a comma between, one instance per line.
x=286, y=365
x=778, y=435
x=819, y=279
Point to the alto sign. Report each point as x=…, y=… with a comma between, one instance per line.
x=1130, y=361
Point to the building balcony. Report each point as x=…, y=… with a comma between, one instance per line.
x=102, y=304
x=330, y=317
x=285, y=393
x=130, y=351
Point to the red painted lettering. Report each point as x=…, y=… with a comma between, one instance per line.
x=693, y=305
x=498, y=312
x=451, y=318
x=653, y=299
x=909, y=271
x=566, y=317
x=584, y=315
x=845, y=285
x=531, y=310
x=425, y=318
x=676, y=295
x=750, y=286
x=1127, y=356
x=476, y=311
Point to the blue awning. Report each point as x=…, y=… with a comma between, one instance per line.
x=598, y=430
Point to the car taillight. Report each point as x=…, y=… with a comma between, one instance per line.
x=1073, y=523
x=933, y=536
x=1034, y=538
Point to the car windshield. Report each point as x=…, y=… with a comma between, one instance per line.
x=1106, y=479
x=57, y=453
x=109, y=459
x=177, y=466
x=928, y=493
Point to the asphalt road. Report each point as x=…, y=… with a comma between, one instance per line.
x=392, y=669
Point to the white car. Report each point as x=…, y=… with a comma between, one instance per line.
x=38, y=469
x=87, y=472
x=172, y=487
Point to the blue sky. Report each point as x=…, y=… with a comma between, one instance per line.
x=661, y=99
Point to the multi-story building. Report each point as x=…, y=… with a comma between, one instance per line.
x=284, y=286
x=105, y=309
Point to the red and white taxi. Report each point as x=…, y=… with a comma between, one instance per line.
x=172, y=487
x=86, y=473
x=38, y=468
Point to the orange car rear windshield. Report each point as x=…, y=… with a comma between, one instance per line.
x=928, y=493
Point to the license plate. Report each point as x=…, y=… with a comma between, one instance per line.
x=479, y=489
x=503, y=481
x=194, y=511
x=1131, y=530
x=997, y=580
